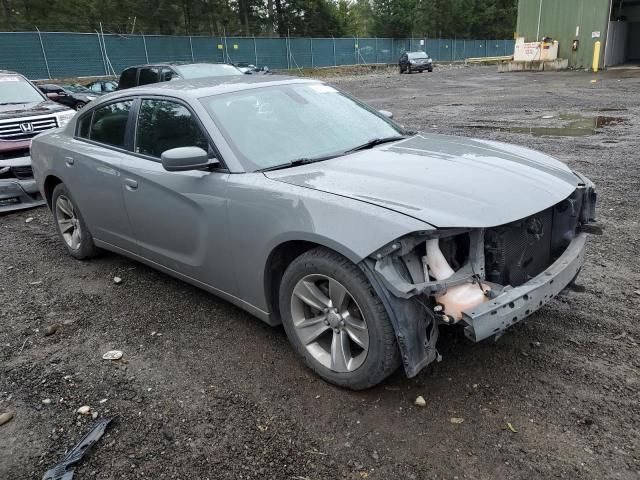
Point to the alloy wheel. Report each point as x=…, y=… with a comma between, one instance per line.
x=68, y=222
x=329, y=323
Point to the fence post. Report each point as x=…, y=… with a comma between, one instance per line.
x=191, y=47
x=335, y=62
x=255, y=51
x=311, y=44
x=146, y=54
x=376, y=49
x=355, y=50
x=44, y=54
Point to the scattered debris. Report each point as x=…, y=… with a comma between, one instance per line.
x=35, y=283
x=547, y=117
x=103, y=400
x=637, y=292
x=84, y=410
x=62, y=471
x=420, y=401
x=375, y=456
x=456, y=420
x=112, y=355
x=117, y=280
x=94, y=415
x=535, y=344
x=51, y=329
x=29, y=220
x=47, y=401
x=5, y=417
x=511, y=428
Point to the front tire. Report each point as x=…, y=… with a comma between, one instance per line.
x=80, y=105
x=336, y=322
x=70, y=225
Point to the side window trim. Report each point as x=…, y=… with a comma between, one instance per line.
x=90, y=113
x=134, y=130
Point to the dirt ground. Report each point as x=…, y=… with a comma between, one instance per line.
x=206, y=391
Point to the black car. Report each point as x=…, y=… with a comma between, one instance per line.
x=164, y=72
x=415, y=62
x=74, y=96
x=100, y=87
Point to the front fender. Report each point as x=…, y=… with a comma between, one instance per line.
x=264, y=214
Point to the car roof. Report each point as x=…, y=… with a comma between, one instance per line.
x=175, y=64
x=9, y=72
x=208, y=86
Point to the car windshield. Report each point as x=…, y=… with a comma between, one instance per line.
x=276, y=125
x=15, y=90
x=417, y=55
x=75, y=88
x=199, y=70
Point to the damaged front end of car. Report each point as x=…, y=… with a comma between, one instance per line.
x=485, y=279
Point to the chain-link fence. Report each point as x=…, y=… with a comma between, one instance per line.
x=41, y=55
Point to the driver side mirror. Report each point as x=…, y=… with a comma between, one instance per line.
x=182, y=159
x=52, y=95
x=386, y=113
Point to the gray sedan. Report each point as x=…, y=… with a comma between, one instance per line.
x=307, y=208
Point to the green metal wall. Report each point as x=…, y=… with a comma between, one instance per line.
x=61, y=55
x=559, y=19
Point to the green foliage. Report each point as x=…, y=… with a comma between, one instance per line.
x=382, y=18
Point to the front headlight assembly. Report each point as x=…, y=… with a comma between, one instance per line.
x=64, y=117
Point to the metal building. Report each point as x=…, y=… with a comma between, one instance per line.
x=578, y=24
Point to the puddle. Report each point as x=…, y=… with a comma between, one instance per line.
x=575, y=126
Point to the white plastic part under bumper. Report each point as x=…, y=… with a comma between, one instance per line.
x=516, y=304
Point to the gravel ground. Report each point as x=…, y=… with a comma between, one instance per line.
x=206, y=391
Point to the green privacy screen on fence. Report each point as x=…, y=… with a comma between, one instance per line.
x=58, y=55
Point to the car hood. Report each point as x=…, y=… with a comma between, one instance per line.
x=30, y=109
x=443, y=180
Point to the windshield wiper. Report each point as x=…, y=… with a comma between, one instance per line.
x=375, y=141
x=297, y=162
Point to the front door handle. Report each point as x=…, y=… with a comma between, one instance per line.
x=69, y=161
x=130, y=183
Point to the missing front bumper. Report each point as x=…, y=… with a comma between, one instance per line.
x=516, y=304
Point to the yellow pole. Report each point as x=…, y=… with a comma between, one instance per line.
x=596, y=56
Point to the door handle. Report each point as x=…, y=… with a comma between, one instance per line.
x=130, y=184
x=69, y=161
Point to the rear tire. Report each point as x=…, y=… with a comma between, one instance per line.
x=336, y=322
x=70, y=225
x=80, y=105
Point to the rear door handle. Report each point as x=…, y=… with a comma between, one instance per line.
x=69, y=161
x=130, y=183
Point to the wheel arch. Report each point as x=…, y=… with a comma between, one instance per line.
x=281, y=257
x=50, y=183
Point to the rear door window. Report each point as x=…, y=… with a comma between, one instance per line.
x=148, y=75
x=128, y=78
x=109, y=124
x=163, y=125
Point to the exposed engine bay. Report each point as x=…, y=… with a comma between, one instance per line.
x=484, y=279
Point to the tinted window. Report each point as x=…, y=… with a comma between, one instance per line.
x=95, y=87
x=148, y=75
x=110, y=86
x=163, y=125
x=109, y=124
x=128, y=78
x=416, y=55
x=83, y=126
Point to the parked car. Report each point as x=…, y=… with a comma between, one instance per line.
x=250, y=69
x=74, y=96
x=359, y=236
x=100, y=87
x=415, y=62
x=164, y=72
x=24, y=113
